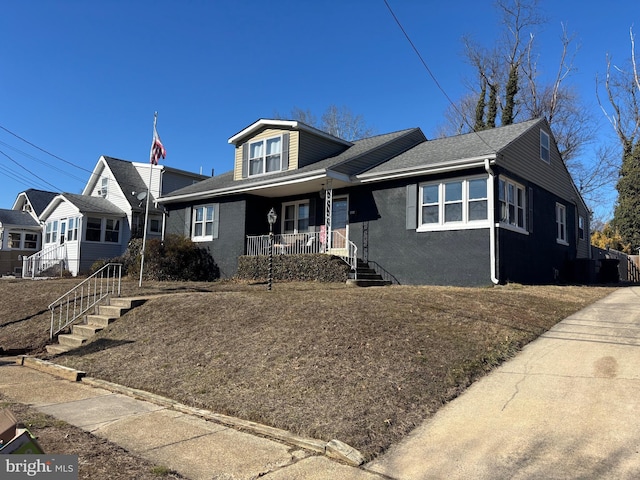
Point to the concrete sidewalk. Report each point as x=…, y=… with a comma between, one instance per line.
x=194, y=447
x=567, y=406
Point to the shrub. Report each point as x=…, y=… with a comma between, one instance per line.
x=175, y=258
x=304, y=267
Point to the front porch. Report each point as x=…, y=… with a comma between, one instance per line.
x=335, y=244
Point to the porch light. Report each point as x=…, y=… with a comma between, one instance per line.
x=271, y=218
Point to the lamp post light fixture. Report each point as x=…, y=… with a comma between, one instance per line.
x=271, y=218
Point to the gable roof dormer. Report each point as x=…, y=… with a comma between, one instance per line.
x=271, y=146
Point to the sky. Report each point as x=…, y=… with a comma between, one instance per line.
x=80, y=79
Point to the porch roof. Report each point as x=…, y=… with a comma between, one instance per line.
x=17, y=218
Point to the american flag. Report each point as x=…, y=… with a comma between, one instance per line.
x=157, y=149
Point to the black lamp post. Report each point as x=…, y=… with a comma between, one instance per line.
x=271, y=218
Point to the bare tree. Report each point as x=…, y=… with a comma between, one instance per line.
x=340, y=122
x=622, y=85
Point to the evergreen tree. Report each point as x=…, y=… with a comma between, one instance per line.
x=626, y=217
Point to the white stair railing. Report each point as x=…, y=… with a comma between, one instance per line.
x=85, y=296
x=37, y=263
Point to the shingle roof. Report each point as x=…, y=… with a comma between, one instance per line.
x=345, y=162
x=89, y=204
x=459, y=147
x=39, y=199
x=127, y=177
x=17, y=217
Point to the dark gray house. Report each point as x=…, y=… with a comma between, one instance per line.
x=495, y=206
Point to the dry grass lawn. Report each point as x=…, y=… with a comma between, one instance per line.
x=364, y=366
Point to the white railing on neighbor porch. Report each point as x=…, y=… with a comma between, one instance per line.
x=305, y=243
x=40, y=261
x=84, y=296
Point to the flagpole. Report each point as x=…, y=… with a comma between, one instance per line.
x=146, y=214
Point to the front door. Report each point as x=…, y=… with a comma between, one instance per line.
x=340, y=222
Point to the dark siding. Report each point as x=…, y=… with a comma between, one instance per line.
x=312, y=149
x=230, y=243
x=537, y=258
x=379, y=229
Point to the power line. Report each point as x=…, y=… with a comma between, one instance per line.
x=30, y=172
x=433, y=77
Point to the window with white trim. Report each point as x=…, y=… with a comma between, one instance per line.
x=458, y=203
x=295, y=217
x=72, y=228
x=22, y=240
x=581, y=227
x=561, y=223
x=544, y=146
x=265, y=156
x=51, y=232
x=112, y=230
x=512, y=200
x=94, y=229
x=202, y=225
x=14, y=240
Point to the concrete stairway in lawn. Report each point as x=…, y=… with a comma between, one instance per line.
x=93, y=323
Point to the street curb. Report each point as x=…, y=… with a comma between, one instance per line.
x=334, y=449
x=45, y=366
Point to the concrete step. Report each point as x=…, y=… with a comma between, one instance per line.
x=100, y=320
x=86, y=331
x=112, y=311
x=57, y=349
x=71, y=340
x=126, y=302
x=352, y=282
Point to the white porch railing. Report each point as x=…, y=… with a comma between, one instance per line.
x=305, y=243
x=38, y=262
x=84, y=296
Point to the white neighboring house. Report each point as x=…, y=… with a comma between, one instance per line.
x=20, y=235
x=98, y=224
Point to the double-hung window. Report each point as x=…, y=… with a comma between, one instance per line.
x=30, y=241
x=453, y=204
x=94, y=229
x=512, y=203
x=112, y=230
x=561, y=223
x=73, y=224
x=265, y=156
x=203, y=222
x=14, y=240
x=581, y=227
x=51, y=232
x=295, y=217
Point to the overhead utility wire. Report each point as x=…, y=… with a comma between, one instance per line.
x=130, y=185
x=30, y=172
x=433, y=77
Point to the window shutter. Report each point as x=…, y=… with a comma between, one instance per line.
x=245, y=160
x=216, y=219
x=530, y=210
x=187, y=222
x=412, y=200
x=285, y=151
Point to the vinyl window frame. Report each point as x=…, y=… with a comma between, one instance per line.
x=264, y=158
x=512, y=200
x=444, y=204
x=561, y=224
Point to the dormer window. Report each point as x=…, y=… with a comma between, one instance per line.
x=265, y=156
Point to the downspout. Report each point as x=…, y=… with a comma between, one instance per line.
x=493, y=244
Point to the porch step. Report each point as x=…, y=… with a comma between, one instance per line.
x=367, y=277
x=93, y=323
